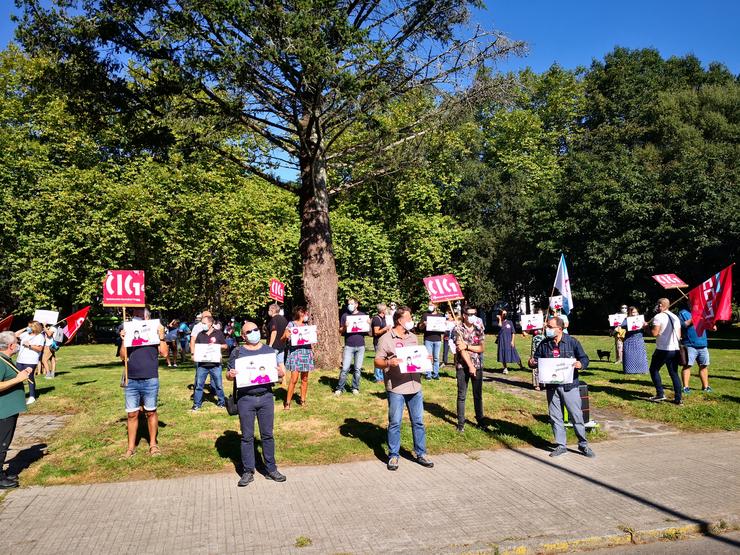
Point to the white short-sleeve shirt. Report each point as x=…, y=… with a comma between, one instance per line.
x=27, y=355
x=669, y=329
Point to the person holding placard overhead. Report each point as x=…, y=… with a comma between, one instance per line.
x=432, y=338
x=354, y=347
x=299, y=361
x=255, y=401
x=558, y=345
x=402, y=389
x=666, y=328
x=207, y=363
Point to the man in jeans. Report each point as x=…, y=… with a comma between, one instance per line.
x=666, y=329
x=432, y=339
x=697, y=351
x=203, y=369
x=402, y=389
x=354, y=349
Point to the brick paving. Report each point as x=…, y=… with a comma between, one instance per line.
x=31, y=434
x=467, y=503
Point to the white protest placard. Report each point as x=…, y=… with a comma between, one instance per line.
x=532, y=322
x=414, y=359
x=555, y=370
x=303, y=336
x=616, y=320
x=357, y=324
x=437, y=323
x=556, y=302
x=46, y=316
x=207, y=352
x=256, y=370
x=141, y=333
x=635, y=323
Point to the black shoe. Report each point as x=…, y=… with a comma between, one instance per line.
x=393, y=463
x=423, y=461
x=6, y=476
x=5, y=483
x=587, y=452
x=275, y=476
x=558, y=451
x=246, y=479
x=460, y=429
x=482, y=426
x=435, y=377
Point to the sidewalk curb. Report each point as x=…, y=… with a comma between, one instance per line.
x=629, y=536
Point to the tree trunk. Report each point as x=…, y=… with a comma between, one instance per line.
x=317, y=255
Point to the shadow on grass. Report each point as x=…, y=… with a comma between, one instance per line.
x=503, y=429
x=229, y=445
x=85, y=383
x=332, y=382
x=509, y=381
x=621, y=393
x=115, y=363
x=26, y=457
x=634, y=382
x=61, y=373
x=41, y=390
x=373, y=436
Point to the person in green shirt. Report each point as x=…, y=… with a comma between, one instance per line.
x=12, y=401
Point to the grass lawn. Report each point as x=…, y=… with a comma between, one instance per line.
x=329, y=429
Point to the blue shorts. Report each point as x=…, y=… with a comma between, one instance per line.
x=698, y=354
x=281, y=357
x=141, y=392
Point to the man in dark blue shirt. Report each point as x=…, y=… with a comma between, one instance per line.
x=559, y=345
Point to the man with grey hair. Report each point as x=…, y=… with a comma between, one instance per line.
x=559, y=345
x=12, y=401
x=379, y=326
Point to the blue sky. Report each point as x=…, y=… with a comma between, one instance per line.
x=573, y=33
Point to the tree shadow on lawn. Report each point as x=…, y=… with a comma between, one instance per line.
x=116, y=363
x=634, y=382
x=374, y=436
x=228, y=446
x=621, y=393
x=509, y=381
x=85, y=383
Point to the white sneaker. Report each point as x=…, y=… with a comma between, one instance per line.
x=355, y=392
x=337, y=393
x=506, y=370
x=174, y=365
x=30, y=400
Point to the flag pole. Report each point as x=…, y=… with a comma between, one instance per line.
x=125, y=356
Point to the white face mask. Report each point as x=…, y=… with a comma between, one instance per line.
x=431, y=308
x=408, y=326
x=282, y=312
x=351, y=307
x=305, y=318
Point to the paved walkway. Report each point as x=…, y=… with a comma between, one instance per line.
x=29, y=440
x=467, y=503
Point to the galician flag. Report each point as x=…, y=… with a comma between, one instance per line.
x=562, y=284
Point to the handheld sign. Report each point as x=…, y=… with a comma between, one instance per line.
x=256, y=370
x=532, y=322
x=140, y=333
x=414, y=359
x=616, y=319
x=207, y=352
x=277, y=290
x=669, y=281
x=635, y=323
x=555, y=370
x=556, y=302
x=357, y=324
x=46, y=316
x=443, y=288
x=436, y=323
x=303, y=336
x=124, y=288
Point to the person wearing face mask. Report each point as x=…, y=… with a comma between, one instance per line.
x=12, y=401
x=276, y=330
x=198, y=327
x=32, y=342
x=256, y=401
x=559, y=345
x=507, y=352
x=389, y=315
x=299, y=361
x=402, y=389
x=354, y=349
x=432, y=339
x=209, y=336
x=380, y=326
x=469, y=341
x=142, y=389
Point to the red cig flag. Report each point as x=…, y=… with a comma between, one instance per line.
x=712, y=300
x=74, y=323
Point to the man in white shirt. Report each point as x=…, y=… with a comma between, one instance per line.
x=666, y=328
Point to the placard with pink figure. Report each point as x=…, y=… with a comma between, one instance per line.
x=635, y=323
x=141, y=333
x=532, y=322
x=414, y=359
x=556, y=302
x=616, y=319
x=357, y=324
x=301, y=336
x=256, y=370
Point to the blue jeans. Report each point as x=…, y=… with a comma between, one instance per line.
x=433, y=347
x=31, y=378
x=201, y=373
x=415, y=404
x=670, y=359
x=262, y=408
x=351, y=353
x=378, y=371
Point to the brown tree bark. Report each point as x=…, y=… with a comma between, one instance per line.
x=319, y=267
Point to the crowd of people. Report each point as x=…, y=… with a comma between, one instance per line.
x=392, y=327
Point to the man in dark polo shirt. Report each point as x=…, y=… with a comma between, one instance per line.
x=354, y=349
x=402, y=389
x=275, y=329
x=209, y=336
x=12, y=401
x=143, y=386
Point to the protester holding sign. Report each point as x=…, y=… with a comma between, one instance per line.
x=433, y=336
x=666, y=328
x=299, y=361
x=32, y=342
x=142, y=388
x=255, y=401
x=380, y=326
x=697, y=350
x=619, y=335
x=469, y=347
x=402, y=388
x=354, y=347
x=210, y=339
x=634, y=356
x=558, y=345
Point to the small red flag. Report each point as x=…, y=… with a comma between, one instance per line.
x=712, y=300
x=74, y=323
x=5, y=323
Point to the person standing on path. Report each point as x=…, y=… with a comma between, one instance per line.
x=697, y=350
x=559, y=345
x=12, y=401
x=507, y=353
x=432, y=339
x=666, y=328
x=379, y=326
x=256, y=401
x=402, y=389
x=354, y=349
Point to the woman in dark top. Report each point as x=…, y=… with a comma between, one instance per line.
x=507, y=352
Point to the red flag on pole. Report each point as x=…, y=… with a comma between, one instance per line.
x=712, y=300
x=5, y=323
x=74, y=323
